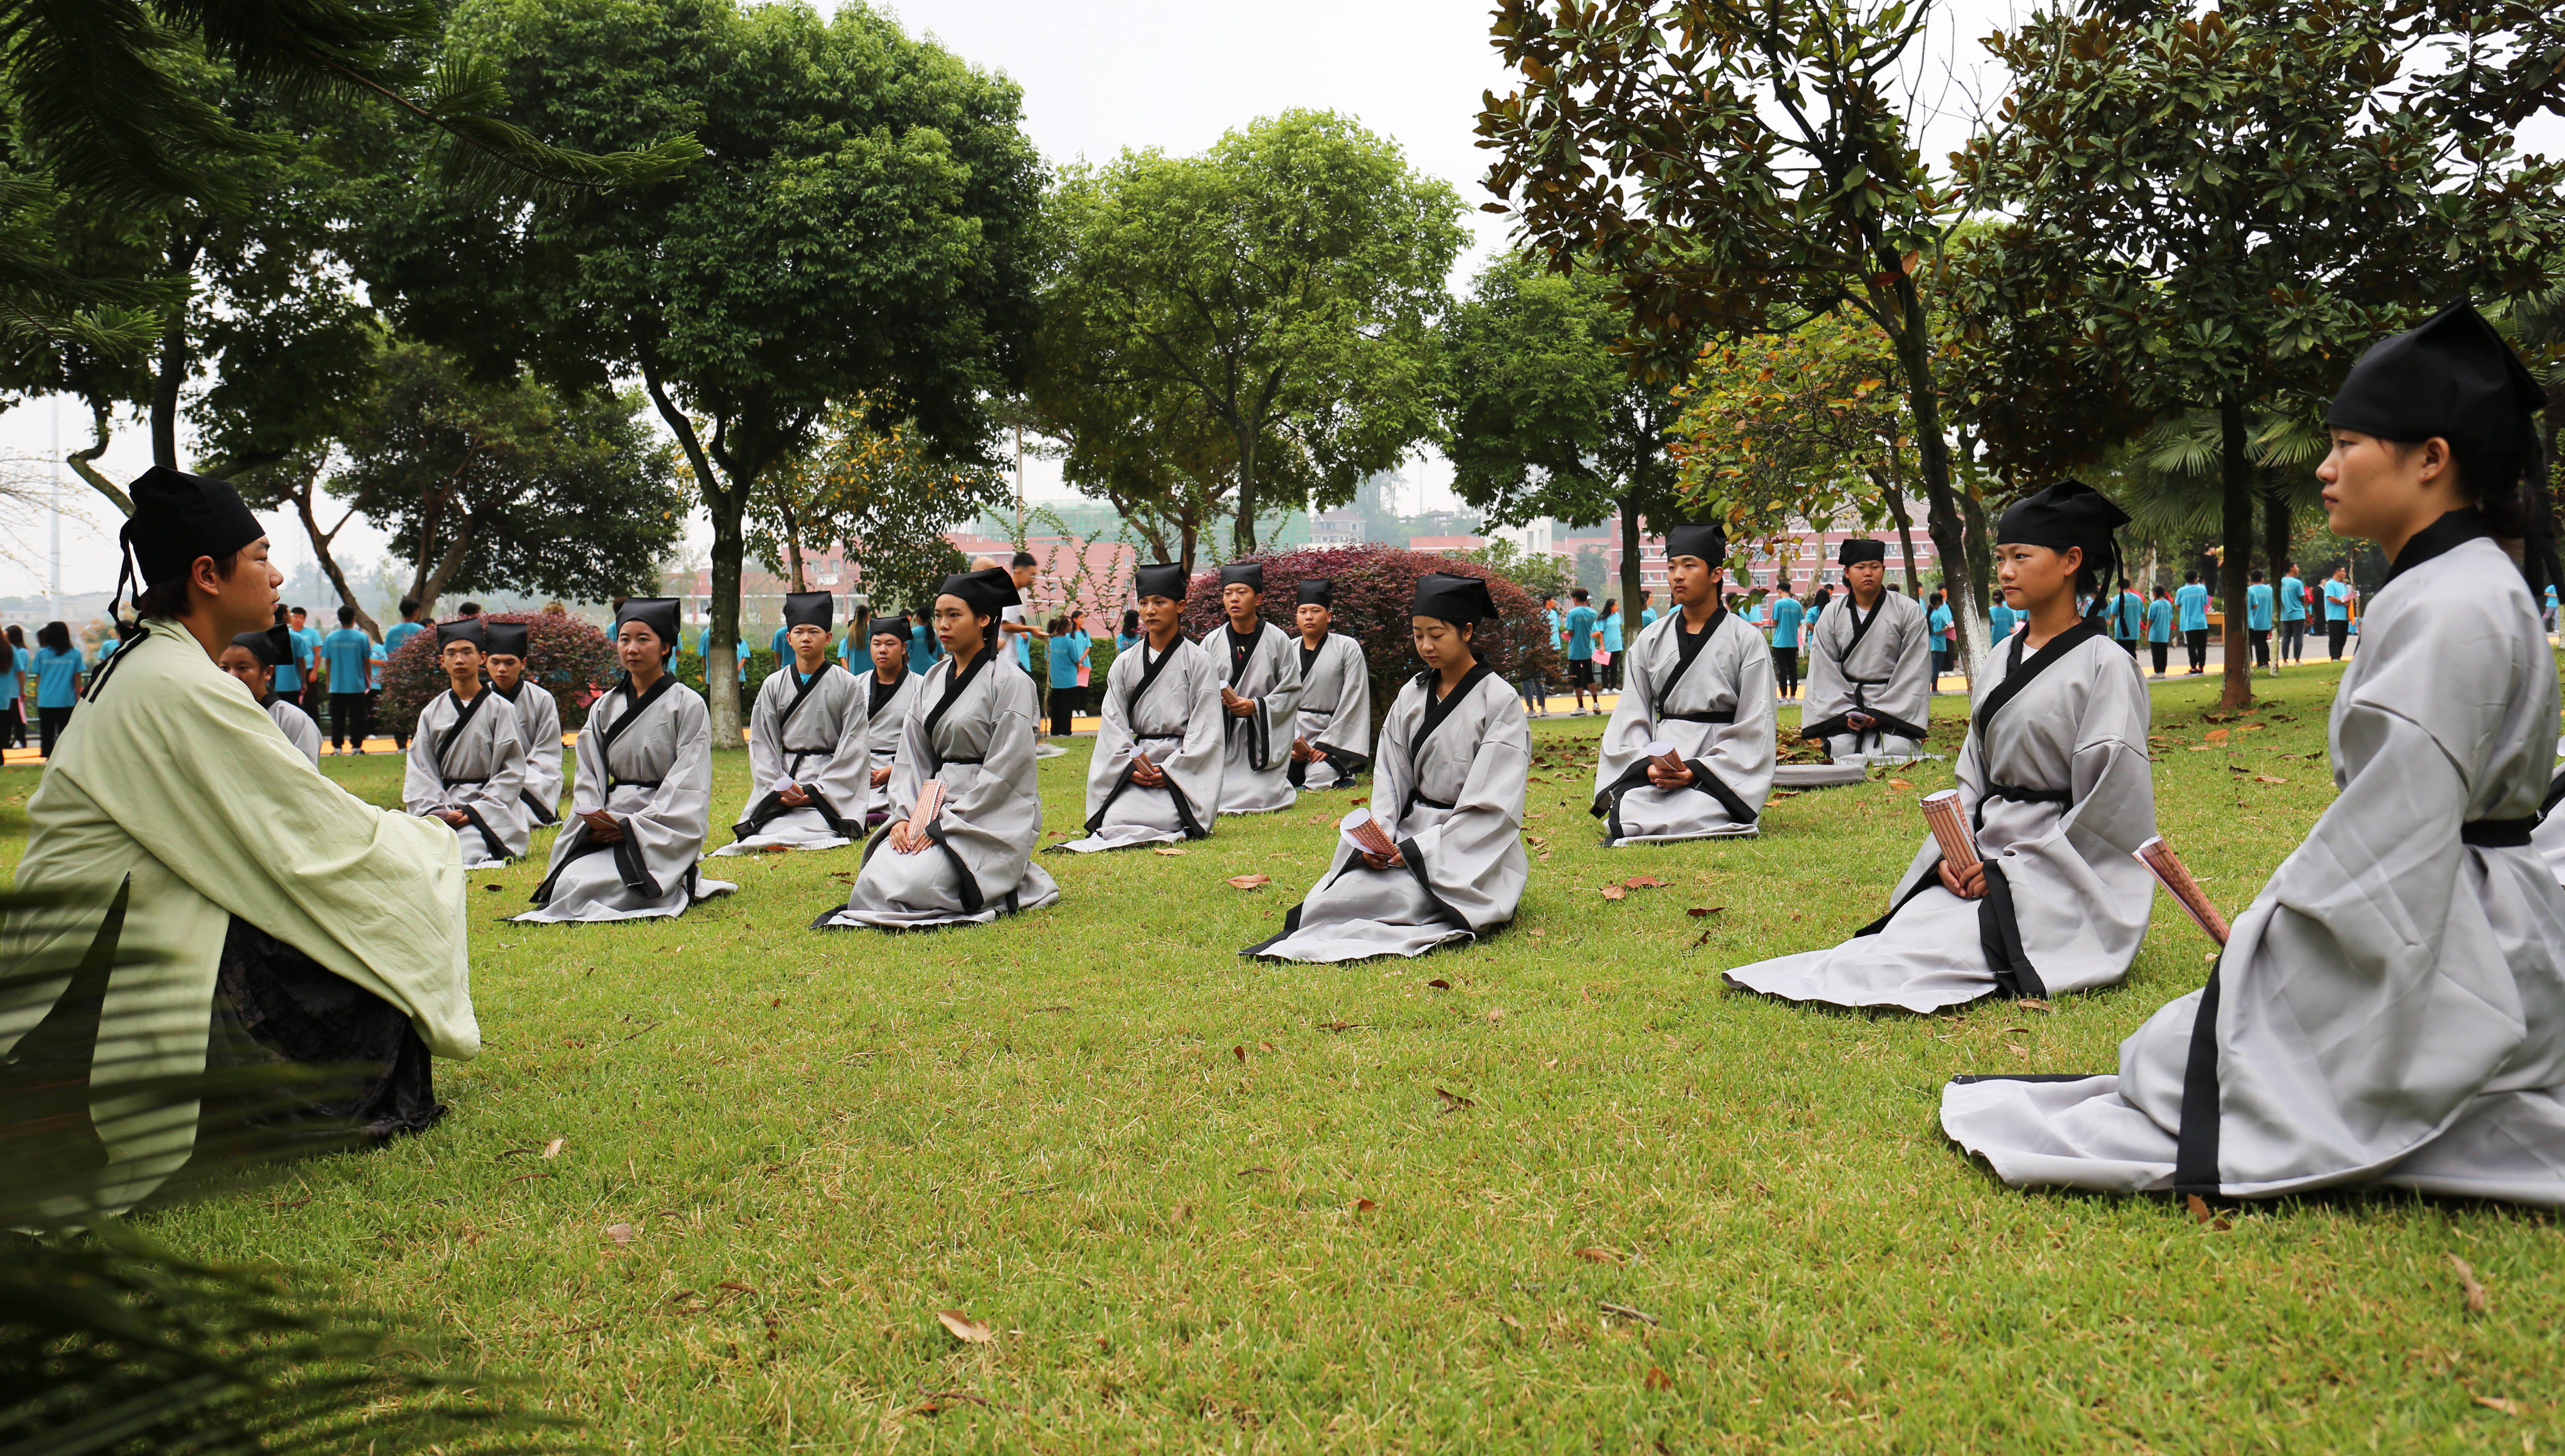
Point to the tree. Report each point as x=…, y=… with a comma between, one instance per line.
x=2220, y=210
x=1149, y=449
x=1282, y=285
x=1541, y=418
x=859, y=226
x=1780, y=429
x=883, y=495
x=507, y=487
x=1738, y=168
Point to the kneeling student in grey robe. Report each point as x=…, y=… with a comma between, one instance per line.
x=808, y=770
x=1699, y=679
x=1448, y=789
x=252, y=657
x=1335, y=698
x=643, y=804
x=1155, y=778
x=971, y=733
x=1261, y=692
x=889, y=690
x=1870, y=666
x=539, y=725
x=2054, y=779
x=2389, y=1011
x=466, y=767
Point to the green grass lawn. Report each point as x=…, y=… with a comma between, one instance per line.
x=1579, y=1198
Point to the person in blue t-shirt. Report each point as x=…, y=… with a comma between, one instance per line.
x=2159, y=629
x=1608, y=626
x=2338, y=599
x=2001, y=618
x=2129, y=620
x=1786, y=616
x=58, y=668
x=1580, y=630
x=1937, y=622
x=2292, y=610
x=2258, y=615
x=704, y=650
x=1647, y=610
x=1129, y=636
x=348, y=657
x=1067, y=646
x=306, y=657
x=923, y=649
x=402, y=630
x=288, y=674
x=2190, y=609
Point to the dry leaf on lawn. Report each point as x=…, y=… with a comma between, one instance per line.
x=1364, y=1205
x=1536, y=932
x=1658, y=1380
x=1697, y=912
x=964, y=1328
x=1496, y=1013
x=2268, y=779
x=1615, y=892
x=2496, y=1402
x=1599, y=1255
x=1646, y=881
x=2213, y=735
x=1439, y=984
x=1239, y=1051
x=2467, y=1281
x=620, y=1233
x=1250, y=881
x=1184, y=1214
x=1169, y=850
x=1899, y=784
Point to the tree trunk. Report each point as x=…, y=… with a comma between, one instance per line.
x=792, y=549
x=1193, y=537
x=2276, y=530
x=431, y=585
x=2236, y=473
x=321, y=550
x=1895, y=499
x=727, y=508
x=1630, y=578
x=1964, y=568
x=78, y=461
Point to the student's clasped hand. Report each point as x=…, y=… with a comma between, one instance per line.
x=793, y=795
x=602, y=827
x=905, y=841
x=1665, y=778
x=1968, y=885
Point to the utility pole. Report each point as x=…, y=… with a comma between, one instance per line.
x=53, y=480
x=1019, y=482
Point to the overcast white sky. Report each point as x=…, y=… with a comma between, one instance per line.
x=1103, y=75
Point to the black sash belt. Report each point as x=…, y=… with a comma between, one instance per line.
x=1724, y=715
x=950, y=761
x=2019, y=794
x=2496, y=833
x=1414, y=798
x=614, y=784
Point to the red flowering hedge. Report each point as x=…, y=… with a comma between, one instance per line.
x=567, y=657
x=1375, y=586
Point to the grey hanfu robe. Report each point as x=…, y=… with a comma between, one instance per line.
x=465, y=756
x=1878, y=663
x=811, y=732
x=1336, y=713
x=1166, y=705
x=2391, y=1009
x=1709, y=695
x=539, y=728
x=1449, y=787
x=297, y=726
x=975, y=733
x=2055, y=778
x=886, y=723
x=174, y=792
x=1255, y=776
x=649, y=763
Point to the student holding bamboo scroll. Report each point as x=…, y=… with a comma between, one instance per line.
x=1447, y=805
x=2054, y=786
x=2391, y=1009
x=966, y=812
x=1699, y=679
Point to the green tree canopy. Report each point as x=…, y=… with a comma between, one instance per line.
x=1541, y=415
x=1280, y=288
x=860, y=226
x=883, y=494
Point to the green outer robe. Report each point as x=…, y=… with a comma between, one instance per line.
x=174, y=777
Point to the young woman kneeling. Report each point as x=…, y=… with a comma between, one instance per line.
x=1448, y=789
x=2055, y=781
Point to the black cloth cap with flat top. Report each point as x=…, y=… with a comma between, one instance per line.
x=2069, y=513
x=1707, y=542
x=180, y=517
x=506, y=638
x=2454, y=378
x=1319, y=594
x=658, y=614
x=1856, y=549
x=469, y=630
x=1452, y=599
x=267, y=647
x=888, y=626
x=987, y=592
x=1244, y=573
x=1159, y=578
x=809, y=609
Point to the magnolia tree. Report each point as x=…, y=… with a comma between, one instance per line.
x=1375, y=587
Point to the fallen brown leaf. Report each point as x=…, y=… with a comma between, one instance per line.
x=1250, y=881
x=2507, y=1407
x=1534, y=839
x=1510, y=1322
x=2031, y=1003
x=1645, y=881
x=736, y=1288
x=620, y=1233
x=1364, y=1205
x=2213, y=735
x=1169, y=850
x=1439, y=984
x=2268, y=779
x=1496, y=1013
x=2198, y=1207
x=966, y=1328
x=1658, y=1380
x=1899, y=784
x=2197, y=748
x=1599, y=1255
x=1615, y=892
x=1239, y=1051
x=1536, y=932
x=2467, y=1281
x=493, y=886
x=1697, y=912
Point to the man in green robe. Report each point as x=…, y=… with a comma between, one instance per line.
x=255, y=912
